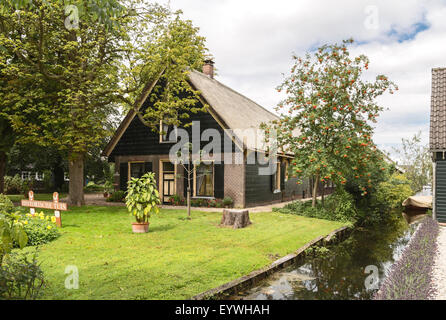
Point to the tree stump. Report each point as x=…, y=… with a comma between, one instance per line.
x=235, y=218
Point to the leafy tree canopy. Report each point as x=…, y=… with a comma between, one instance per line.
x=326, y=119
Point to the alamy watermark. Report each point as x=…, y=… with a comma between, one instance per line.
x=371, y=282
x=72, y=17
x=219, y=149
x=371, y=21
x=72, y=280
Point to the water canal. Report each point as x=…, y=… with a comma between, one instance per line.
x=339, y=272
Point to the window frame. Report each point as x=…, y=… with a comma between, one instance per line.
x=195, y=195
x=28, y=175
x=39, y=176
x=276, y=177
x=129, y=170
x=166, y=140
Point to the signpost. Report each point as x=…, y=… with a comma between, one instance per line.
x=54, y=205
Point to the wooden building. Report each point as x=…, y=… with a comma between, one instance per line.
x=437, y=142
x=136, y=149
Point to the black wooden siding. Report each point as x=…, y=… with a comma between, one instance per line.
x=440, y=191
x=259, y=188
x=140, y=140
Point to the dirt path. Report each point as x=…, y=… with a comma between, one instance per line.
x=440, y=266
x=99, y=200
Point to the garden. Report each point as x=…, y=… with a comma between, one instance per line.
x=176, y=259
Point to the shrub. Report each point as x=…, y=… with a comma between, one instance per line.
x=21, y=277
x=40, y=229
x=6, y=205
x=228, y=202
x=391, y=194
x=339, y=206
x=117, y=196
x=410, y=278
x=13, y=185
x=342, y=206
x=176, y=200
x=387, y=197
x=91, y=187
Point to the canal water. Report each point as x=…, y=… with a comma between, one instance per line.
x=338, y=273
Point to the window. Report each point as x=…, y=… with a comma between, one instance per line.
x=39, y=176
x=276, y=178
x=26, y=175
x=165, y=132
x=286, y=170
x=204, y=180
x=136, y=169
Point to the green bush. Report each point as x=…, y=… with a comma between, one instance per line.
x=228, y=202
x=339, y=206
x=176, y=200
x=6, y=205
x=391, y=194
x=117, y=196
x=40, y=229
x=21, y=277
x=91, y=187
x=13, y=185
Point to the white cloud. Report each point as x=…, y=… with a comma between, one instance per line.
x=252, y=42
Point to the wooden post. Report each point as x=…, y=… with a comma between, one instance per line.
x=31, y=198
x=57, y=212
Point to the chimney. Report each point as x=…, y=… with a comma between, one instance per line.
x=208, y=68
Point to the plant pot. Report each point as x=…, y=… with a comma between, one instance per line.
x=140, y=227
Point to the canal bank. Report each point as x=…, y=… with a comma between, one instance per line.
x=345, y=270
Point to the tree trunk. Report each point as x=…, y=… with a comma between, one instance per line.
x=315, y=185
x=188, y=194
x=235, y=218
x=3, y=158
x=323, y=194
x=76, y=185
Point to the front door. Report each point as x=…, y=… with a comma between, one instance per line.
x=168, y=181
x=168, y=186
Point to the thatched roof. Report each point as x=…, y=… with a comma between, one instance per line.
x=231, y=109
x=437, y=139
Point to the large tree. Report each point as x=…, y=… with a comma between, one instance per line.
x=6, y=142
x=82, y=61
x=415, y=160
x=326, y=119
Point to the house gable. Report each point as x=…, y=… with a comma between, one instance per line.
x=138, y=139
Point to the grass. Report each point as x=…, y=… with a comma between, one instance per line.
x=177, y=259
x=39, y=196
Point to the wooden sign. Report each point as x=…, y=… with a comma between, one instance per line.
x=54, y=205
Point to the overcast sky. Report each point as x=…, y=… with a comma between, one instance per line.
x=253, y=40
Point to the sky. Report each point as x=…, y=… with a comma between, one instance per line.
x=252, y=42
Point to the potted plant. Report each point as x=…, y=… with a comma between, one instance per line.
x=142, y=200
x=108, y=189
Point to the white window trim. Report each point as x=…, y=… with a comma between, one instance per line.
x=175, y=129
x=28, y=174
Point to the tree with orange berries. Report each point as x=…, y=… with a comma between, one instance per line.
x=331, y=111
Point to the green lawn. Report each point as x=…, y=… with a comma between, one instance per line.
x=177, y=259
x=38, y=196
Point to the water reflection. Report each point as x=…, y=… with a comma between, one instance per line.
x=340, y=273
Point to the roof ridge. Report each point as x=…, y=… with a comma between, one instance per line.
x=236, y=92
